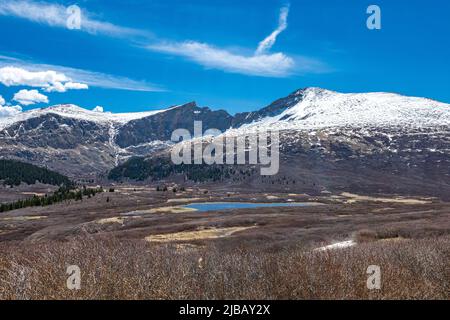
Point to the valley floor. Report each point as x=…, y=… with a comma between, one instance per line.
x=155, y=248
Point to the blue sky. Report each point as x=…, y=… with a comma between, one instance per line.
x=140, y=55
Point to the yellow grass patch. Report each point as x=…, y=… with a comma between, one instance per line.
x=119, y=220
x=37, y=194
x=357, y=198
x=206, y=234
x=183, y=200
x=23, y=218
x=173, y=209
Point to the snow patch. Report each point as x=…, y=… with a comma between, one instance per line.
x=337, y=245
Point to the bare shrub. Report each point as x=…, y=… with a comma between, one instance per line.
x=114, y=269
x=365, y=235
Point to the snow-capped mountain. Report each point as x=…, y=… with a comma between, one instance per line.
x=75, y=112
x=315, y=108
x=326, y=130
x=334, y=142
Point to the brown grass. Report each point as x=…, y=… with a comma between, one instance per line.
x=113, y=269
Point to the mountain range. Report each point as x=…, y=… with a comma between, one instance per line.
x=329, y=140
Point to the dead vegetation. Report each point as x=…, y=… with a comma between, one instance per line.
x=128, y=269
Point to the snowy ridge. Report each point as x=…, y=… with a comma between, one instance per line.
x=75, y=112
x=318, y=108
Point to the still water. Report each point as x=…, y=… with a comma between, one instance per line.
x=213, y=206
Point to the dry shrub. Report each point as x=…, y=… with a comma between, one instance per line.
x=365, y=235
x=113, y=269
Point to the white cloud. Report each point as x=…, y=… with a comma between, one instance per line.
x=98, y=109
x=90, y=78
x=268, y=65
x=63, y=87
x=48, y=80
x=28, y=97
x=55, y=15
x=268, y=42
x=12, y=76
x=7, y=111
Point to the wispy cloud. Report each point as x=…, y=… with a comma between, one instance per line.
x=272, y=65
x=268, y=42
x=261, y=63
x=73, y=78
x=56, y=15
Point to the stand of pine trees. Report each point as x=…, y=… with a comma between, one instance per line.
x=13, y=173
x=62, y=194
x=140, y=169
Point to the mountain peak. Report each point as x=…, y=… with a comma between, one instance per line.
x=191, y=104
x=316, y=90
x=68, y=109
x=320, y=108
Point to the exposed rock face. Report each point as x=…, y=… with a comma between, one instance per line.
x=55, y=131
x=274, y=109
x=160, y=126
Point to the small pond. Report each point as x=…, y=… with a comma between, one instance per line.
x=214, y=206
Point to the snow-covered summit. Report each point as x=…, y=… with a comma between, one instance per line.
x=317, y=108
